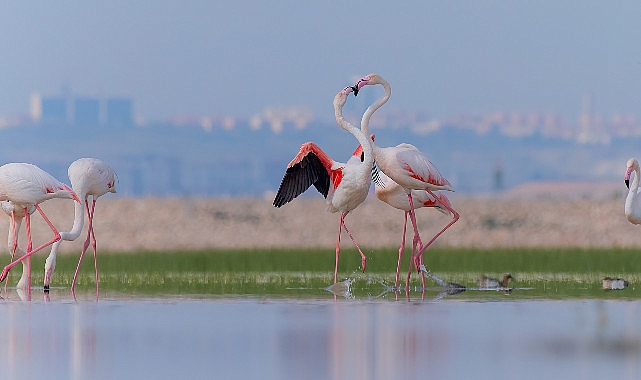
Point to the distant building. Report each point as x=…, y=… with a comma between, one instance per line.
x=119, y=112
x=48, y=109
x=86, y=111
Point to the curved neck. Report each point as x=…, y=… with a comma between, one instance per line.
x=78, y=221
x=362, y=138
x=374, y=106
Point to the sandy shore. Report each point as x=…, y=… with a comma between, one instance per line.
x=134, y=224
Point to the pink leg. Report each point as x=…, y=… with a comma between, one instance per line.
x=400, y=252
x=27, y=267
x=14, y=243
x=363, y=257
x=417, y=237
x=418, y=259
x=338, y=252
x=93, y=244
x=56, y=237
x=90, y=235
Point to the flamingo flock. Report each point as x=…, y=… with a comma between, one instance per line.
x=403, y=177
x=405, y=173
x=23, y=187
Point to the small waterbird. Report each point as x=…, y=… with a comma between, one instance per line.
x=490, y=283
x=609, y=283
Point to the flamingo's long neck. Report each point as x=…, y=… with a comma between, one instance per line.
x=78, y=220
x=633, y=201
x=635, y=182
x=363, y=139
x=374, y=106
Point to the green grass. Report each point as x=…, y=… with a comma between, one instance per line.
x=547, y=273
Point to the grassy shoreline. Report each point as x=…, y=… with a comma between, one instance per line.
x=573, y=272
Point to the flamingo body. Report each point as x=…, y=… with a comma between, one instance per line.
x=26, y=185
x=633, y=199
x=408, y=167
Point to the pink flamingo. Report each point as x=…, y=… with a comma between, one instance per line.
x=90, y=178
x=407, y=166
x=27, y=186
x=344, y=185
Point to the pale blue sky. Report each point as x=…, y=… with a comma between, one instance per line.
x=236, y=57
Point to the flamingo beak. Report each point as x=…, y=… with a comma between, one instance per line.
x=362, y=82
x=627, y=183
x=355, y=89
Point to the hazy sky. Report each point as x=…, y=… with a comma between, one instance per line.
x=236, y=57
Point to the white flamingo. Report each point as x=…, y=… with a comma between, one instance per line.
x=26, y=186
x=406, y=165
x=633, y=200
x=344, y=185
x=90, y=178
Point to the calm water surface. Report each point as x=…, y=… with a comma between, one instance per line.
x=317, y=337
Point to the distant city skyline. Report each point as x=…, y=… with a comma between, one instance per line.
x=239, y=58
x=67, y=108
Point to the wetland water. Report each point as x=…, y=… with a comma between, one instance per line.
x=251, y=324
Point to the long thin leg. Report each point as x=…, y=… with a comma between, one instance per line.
x=56, y=237
x=338, y=251
x=93, y=244
x=400, y=252
x=86, y=245
x=363, y=257
x=417, y=243
x=418, y=259
x=27, y=267
x=13, y=242
x=417, y=237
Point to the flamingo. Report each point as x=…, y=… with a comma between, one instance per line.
x=90, y=177
x=406, y=165
x=344, y=185
x=633, y=200
x=26, y=186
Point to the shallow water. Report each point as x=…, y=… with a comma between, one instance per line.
x=173, y=320
x=245, y=337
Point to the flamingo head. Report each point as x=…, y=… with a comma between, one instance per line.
x=341, y=98
x=370, y=79
x=631, y=165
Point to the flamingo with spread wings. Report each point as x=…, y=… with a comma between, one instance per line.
x=344, y=185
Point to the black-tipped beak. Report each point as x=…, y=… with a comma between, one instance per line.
x=355, y=89
x=627, y=183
